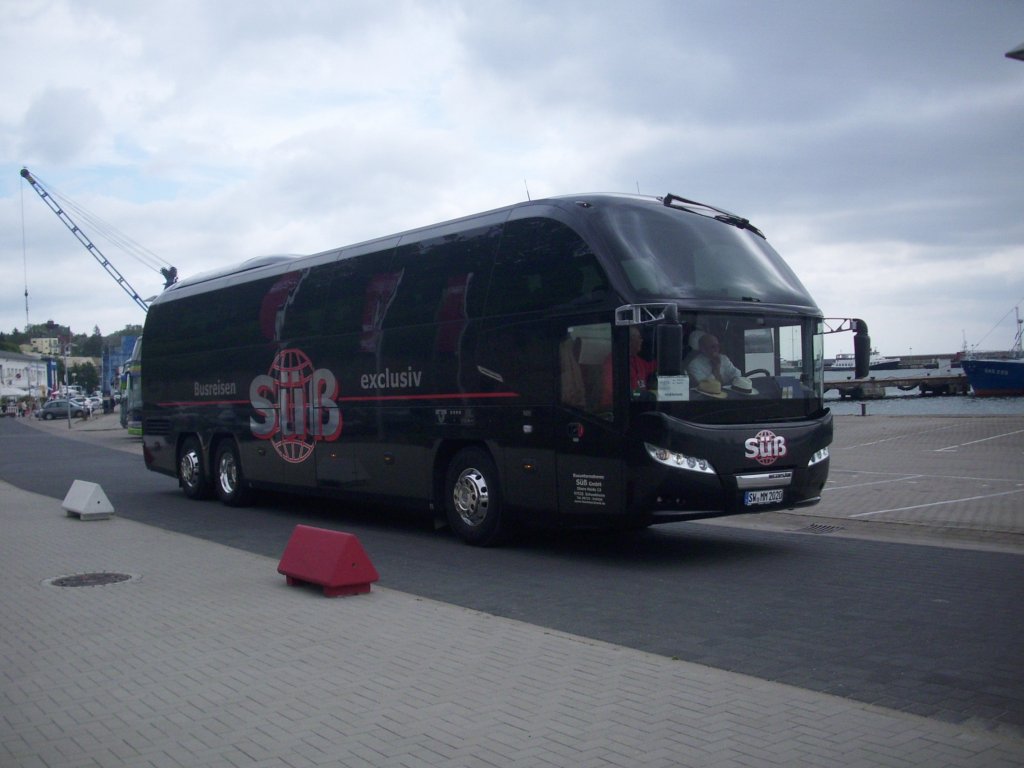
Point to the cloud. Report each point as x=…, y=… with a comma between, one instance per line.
x=61, y=126
x=877, y=144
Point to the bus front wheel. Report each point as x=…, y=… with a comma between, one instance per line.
x=192, y=475
x=229, y=482
x=473, y=498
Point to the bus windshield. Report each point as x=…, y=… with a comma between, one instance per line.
x=736, y=368
x=671, y=253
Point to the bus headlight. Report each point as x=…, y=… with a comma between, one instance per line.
x=679, y=460
x=818, y=457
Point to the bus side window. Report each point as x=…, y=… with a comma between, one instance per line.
x=349, y=285
x=542, y=264
x=582, y=356
x=246, y=315
x=304, y=311
x=444, y=278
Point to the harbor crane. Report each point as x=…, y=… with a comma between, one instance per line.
x=169, y=273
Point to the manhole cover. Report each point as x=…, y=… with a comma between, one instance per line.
x=820, y=528
x=90, y=579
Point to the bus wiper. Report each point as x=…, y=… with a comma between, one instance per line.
x=674, y=201
x=739, y=221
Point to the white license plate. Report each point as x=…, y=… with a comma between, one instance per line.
x=753, y=498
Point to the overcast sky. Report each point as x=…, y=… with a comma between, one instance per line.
x=878, y=145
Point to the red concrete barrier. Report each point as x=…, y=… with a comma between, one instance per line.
x=332, y=559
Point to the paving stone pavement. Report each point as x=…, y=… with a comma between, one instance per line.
x=205, y=657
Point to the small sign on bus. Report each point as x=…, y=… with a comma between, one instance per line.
x=674, y=388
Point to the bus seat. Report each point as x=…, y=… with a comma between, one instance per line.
x=694, y=344
x=573, y=389
x=593, y=385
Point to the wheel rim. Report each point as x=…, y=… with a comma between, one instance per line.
x=189, y=468
x=471, y=497
x=227, y=473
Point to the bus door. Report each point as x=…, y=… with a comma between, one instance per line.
x=588, y=447
x=515, y=375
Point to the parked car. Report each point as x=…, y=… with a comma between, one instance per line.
x=95, y=403
x=58, y=409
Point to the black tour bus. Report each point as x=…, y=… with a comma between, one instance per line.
x=525, y=365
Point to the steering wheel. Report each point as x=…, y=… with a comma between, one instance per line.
x=762, y=371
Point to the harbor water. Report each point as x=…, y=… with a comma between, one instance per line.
x=912, y=403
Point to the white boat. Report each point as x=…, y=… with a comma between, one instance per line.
x=846, y=362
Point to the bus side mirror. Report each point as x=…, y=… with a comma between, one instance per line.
x=861, y=350
x=669, y=342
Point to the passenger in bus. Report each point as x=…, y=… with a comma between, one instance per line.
x=710, y=363
x=640, y=370
x=573, y=388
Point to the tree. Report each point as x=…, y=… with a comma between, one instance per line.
x=8, y=344
x=93, y=345
x=114, y=339
x=86, y=375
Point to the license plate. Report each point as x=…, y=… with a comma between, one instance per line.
x=753, y=498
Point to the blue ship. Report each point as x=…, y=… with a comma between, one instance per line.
x=995, y=378
x=999, y=378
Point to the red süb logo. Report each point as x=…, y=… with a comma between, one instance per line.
x=765, y=447
x=295, y=405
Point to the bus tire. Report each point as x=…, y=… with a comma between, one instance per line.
x=228, y=480
x=192, y=475
x=473, y=498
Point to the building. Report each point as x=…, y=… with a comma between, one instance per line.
x=28, y=373
x=46, y=346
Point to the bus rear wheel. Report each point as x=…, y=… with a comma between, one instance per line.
x=229, y=482
x=192, y=475
x=473, y=498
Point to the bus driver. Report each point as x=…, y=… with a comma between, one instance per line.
x=710, y=363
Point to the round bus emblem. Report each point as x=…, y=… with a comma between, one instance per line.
x=294, y=406
x=765, y=447
x=293, y=371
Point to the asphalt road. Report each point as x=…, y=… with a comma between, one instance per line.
x=929, y=630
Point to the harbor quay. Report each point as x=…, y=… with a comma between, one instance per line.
x=202, y=656
x=922, y=382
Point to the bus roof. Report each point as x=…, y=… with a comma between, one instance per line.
x=564, y=202
x=638, y=237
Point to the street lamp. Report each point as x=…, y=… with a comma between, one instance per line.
x=1017, y=53
x=67, y=389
